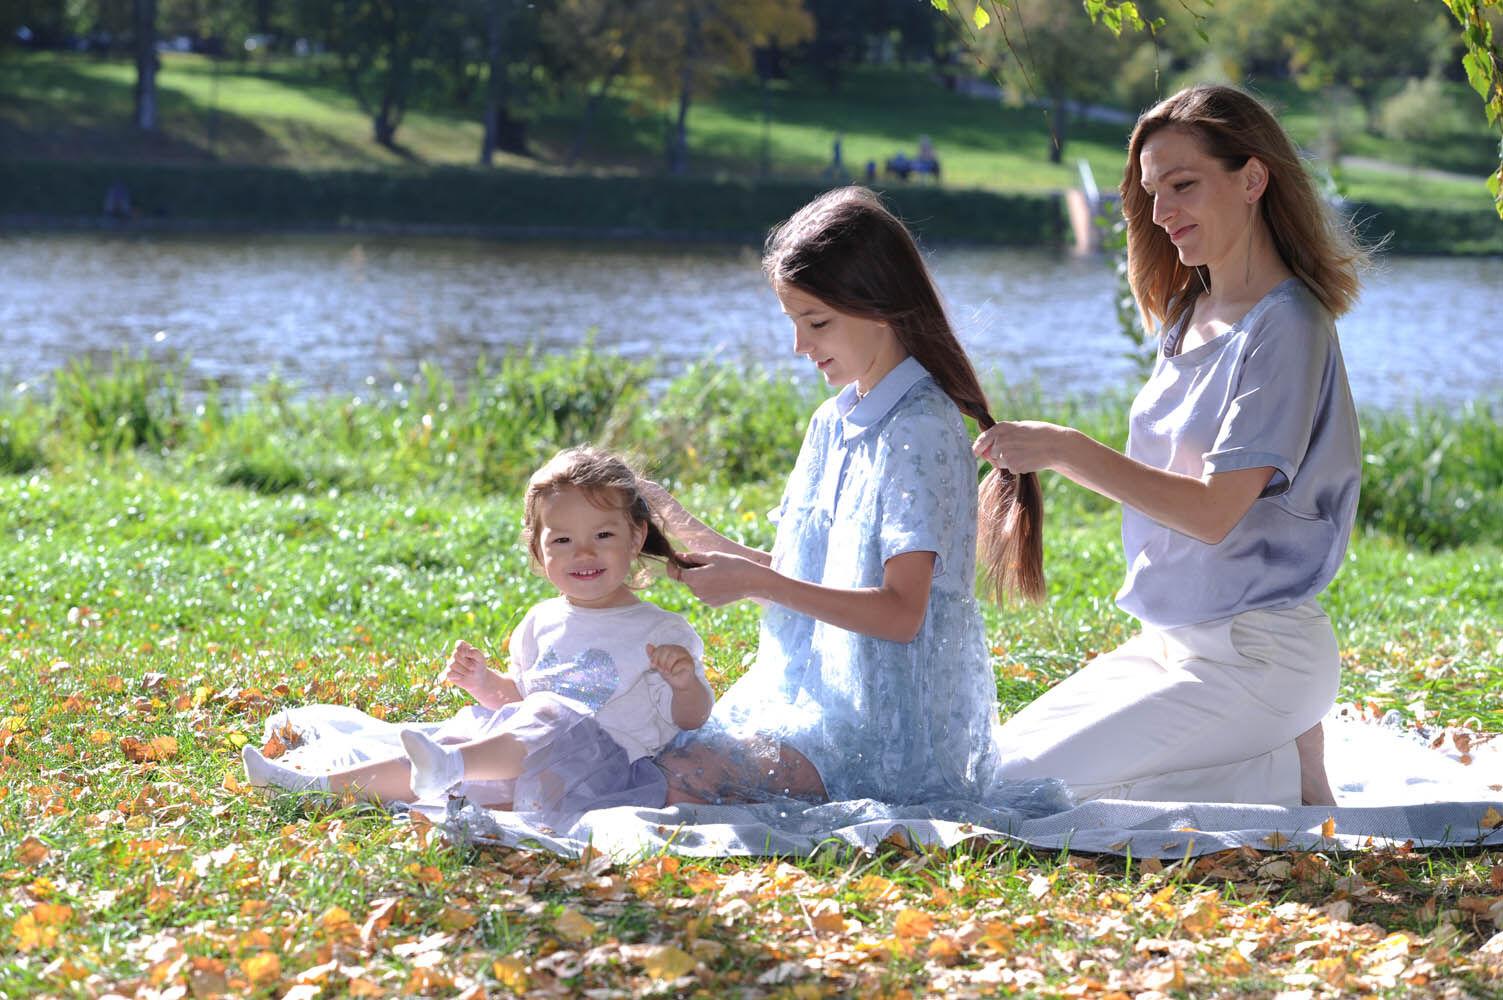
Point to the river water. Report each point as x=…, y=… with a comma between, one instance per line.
x=340, y=313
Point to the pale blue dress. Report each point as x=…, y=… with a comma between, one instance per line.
x=902, y=723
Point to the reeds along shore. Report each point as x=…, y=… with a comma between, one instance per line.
x=1433, y=476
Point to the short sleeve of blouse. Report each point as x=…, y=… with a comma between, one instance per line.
x=1272, y=412
x=918, y=474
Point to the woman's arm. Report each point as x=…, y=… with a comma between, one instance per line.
x=690, y=530
x=894, y=610
x=1205, y=508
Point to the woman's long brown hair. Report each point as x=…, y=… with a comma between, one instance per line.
x=610, y=483
x=1232, y=127
x=847, y=250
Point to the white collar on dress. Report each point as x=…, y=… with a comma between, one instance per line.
x=858, y=414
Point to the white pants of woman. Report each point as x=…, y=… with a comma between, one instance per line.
x=1198, y=713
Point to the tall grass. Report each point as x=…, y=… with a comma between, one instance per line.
x=1432, y=477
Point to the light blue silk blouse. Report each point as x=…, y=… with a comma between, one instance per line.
x=899, y=722
x=1271, y=391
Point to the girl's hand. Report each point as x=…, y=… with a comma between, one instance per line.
x=719, y=577
x=675, y=664
x=1021, y=446
x=467, y=669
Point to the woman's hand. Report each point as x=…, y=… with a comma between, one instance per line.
x=1205, y=507
x=1021, y=446
x=721, y=577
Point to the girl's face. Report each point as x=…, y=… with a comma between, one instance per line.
x=1205, y=208
x=844, y=348
x=588, y=551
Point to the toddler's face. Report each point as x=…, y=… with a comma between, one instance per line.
x=588, y=550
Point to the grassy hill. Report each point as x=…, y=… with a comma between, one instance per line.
x=296, y=113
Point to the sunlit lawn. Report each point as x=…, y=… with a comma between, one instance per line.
x=151, y=617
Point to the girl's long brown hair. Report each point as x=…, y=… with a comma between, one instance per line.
x=609, y=482
x=847, y=250
x=1232, y=127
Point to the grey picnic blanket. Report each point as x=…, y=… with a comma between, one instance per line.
x=1394, y=784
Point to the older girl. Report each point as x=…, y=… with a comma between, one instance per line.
x=872, y=678
x=1239, y=485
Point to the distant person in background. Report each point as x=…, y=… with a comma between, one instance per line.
x=927, y=162
x=117, y=200
x=899, y=166
x=836, y=170
x=1239, y=484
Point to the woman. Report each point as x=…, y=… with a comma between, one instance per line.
x=1239, y=485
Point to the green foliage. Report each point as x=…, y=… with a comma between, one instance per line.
x=703, y=430
x=1420, y=112
x=1434, y=477
x=21, y=429
x=1484, y=71
x=136, y=404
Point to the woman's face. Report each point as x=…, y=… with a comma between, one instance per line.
x=844, y=348
x=1205, y=208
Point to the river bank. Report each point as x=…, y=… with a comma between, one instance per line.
x=519, y=204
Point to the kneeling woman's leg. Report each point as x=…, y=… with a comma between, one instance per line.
x=1206, y=712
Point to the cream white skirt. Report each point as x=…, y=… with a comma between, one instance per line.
x=1198, y=713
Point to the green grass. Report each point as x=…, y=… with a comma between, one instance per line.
x=156, y=605
x=297, y=113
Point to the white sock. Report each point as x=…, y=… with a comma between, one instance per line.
x=435, y=768
x=262, y=772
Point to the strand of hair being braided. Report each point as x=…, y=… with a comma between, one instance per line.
x=1010, y=507
x=847, y=250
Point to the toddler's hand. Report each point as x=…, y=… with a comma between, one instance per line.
x=674, y=663
x=467, y=669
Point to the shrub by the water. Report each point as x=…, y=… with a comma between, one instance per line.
x=1433, y=477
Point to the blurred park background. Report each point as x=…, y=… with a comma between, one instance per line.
x=295, y=294
x=335, y=191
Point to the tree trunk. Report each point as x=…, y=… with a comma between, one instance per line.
x=494, y=82
x=146, y=64
x=587, y=120
x=1059, y=113
x=678, y=136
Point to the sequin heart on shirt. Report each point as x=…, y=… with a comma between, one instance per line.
x=590, y=678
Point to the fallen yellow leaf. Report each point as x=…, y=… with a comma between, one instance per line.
x=573, y=925
x=32, y=852
x=874, y=886
x=511, y=973
x=911, y=923
x=452, y=918
x=1201, y=914
x=1492, y=819
x=263, y=968
x=1328, y=828
x=667, y=962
